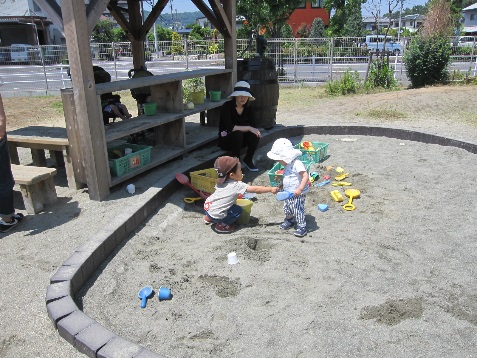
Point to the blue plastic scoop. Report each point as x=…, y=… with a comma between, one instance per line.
x=145, y=293
x=284, y=195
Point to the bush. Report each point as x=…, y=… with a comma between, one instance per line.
x=380, y=75
x=348, y=83
x=427, y=60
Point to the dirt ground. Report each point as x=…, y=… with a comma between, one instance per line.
x=396, y=277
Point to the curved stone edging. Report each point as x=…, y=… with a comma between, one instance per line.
x=94, y=340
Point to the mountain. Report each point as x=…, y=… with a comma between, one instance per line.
x=181, y=19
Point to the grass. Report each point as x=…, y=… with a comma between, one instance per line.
x=385, y=114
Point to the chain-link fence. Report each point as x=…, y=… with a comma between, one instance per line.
x=44, y=69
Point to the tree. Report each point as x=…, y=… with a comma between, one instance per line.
x=103, y=31
x=317, y=28
x=342, y=9
x=268, y=14
x=200, y=33
x=303, y=31
x=353, y=25
x=177, y=48
x=162, y=33
x=374, y=8
x=286, y=31
x=428, y=57
x=439, y=19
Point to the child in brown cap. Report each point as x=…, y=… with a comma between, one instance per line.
x=220, y=207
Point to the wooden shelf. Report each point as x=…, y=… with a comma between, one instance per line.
x=172, y=136
x=197, y=136
x=156, y=80
x=134, y=125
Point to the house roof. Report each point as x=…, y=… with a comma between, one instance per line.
x=471, y=7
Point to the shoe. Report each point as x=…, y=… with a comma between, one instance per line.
x=16, y=218
x=224, y=228
x=250, y=166
x=287, y=224
x=300, y=232
x=207, y=220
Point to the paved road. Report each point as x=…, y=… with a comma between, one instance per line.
x=24, y=80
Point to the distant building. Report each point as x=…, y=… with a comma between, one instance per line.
x=306, y=13
x=409, y=22
x=23, y=22
x=470, y=20
x=372, y=24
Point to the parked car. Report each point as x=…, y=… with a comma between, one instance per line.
x=467, y=41
x=19, y=53
x=377, y=43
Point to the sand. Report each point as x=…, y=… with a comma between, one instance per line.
x=396, y=277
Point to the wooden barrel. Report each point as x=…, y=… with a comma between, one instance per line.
x=262, y=76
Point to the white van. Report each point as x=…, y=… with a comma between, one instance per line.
x=375, y=43
x=19, y=52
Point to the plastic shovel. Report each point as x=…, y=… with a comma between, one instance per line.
x=284, y=195
x=183, y=179
x=351, y=194
x=145, y=293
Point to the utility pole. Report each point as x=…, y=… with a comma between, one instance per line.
x=400, y=18
x=172, y=18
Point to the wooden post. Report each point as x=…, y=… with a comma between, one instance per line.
x=137, y=43
x=90, y=124
x=230, y=44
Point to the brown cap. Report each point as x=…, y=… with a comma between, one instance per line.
x=223, y=166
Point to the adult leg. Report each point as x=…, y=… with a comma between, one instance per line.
x=233, y=143
x=251, y=142
x=6, y=182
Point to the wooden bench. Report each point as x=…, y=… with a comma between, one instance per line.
x=37, y=186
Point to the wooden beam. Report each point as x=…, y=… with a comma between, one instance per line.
x=94, y=10
x=53, y=10
x=221, y=18
x=88, y=111
x=117, y=13
x=151, y=19
x=205, y=10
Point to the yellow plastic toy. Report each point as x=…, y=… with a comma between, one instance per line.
x=336, y=195
x=351, y=194
x=341, y=177
x=341, y=183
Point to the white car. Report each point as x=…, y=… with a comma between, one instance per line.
x=467, y=41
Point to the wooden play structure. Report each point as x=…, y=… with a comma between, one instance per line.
x=87, y=135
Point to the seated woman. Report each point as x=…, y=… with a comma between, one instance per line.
x=237, y=127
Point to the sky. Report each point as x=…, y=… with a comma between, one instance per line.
x=188, y=6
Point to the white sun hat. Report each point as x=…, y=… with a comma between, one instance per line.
x=242, y=88
x=282, y=149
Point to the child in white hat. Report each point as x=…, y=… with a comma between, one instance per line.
x=295, y=180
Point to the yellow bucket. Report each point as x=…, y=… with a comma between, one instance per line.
x=246, y=206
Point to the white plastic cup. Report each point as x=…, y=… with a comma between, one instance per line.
x=127, y=151
x=131, y=188
x=232, y=258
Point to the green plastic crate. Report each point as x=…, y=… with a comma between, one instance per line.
x=277, y=179
x=314, y=156
x=140, y=156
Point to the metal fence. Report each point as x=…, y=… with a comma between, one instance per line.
x=44, y=69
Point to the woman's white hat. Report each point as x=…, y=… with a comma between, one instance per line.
x=242, y=88
x=282, y=149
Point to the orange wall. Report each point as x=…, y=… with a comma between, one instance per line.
x=307, y=15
